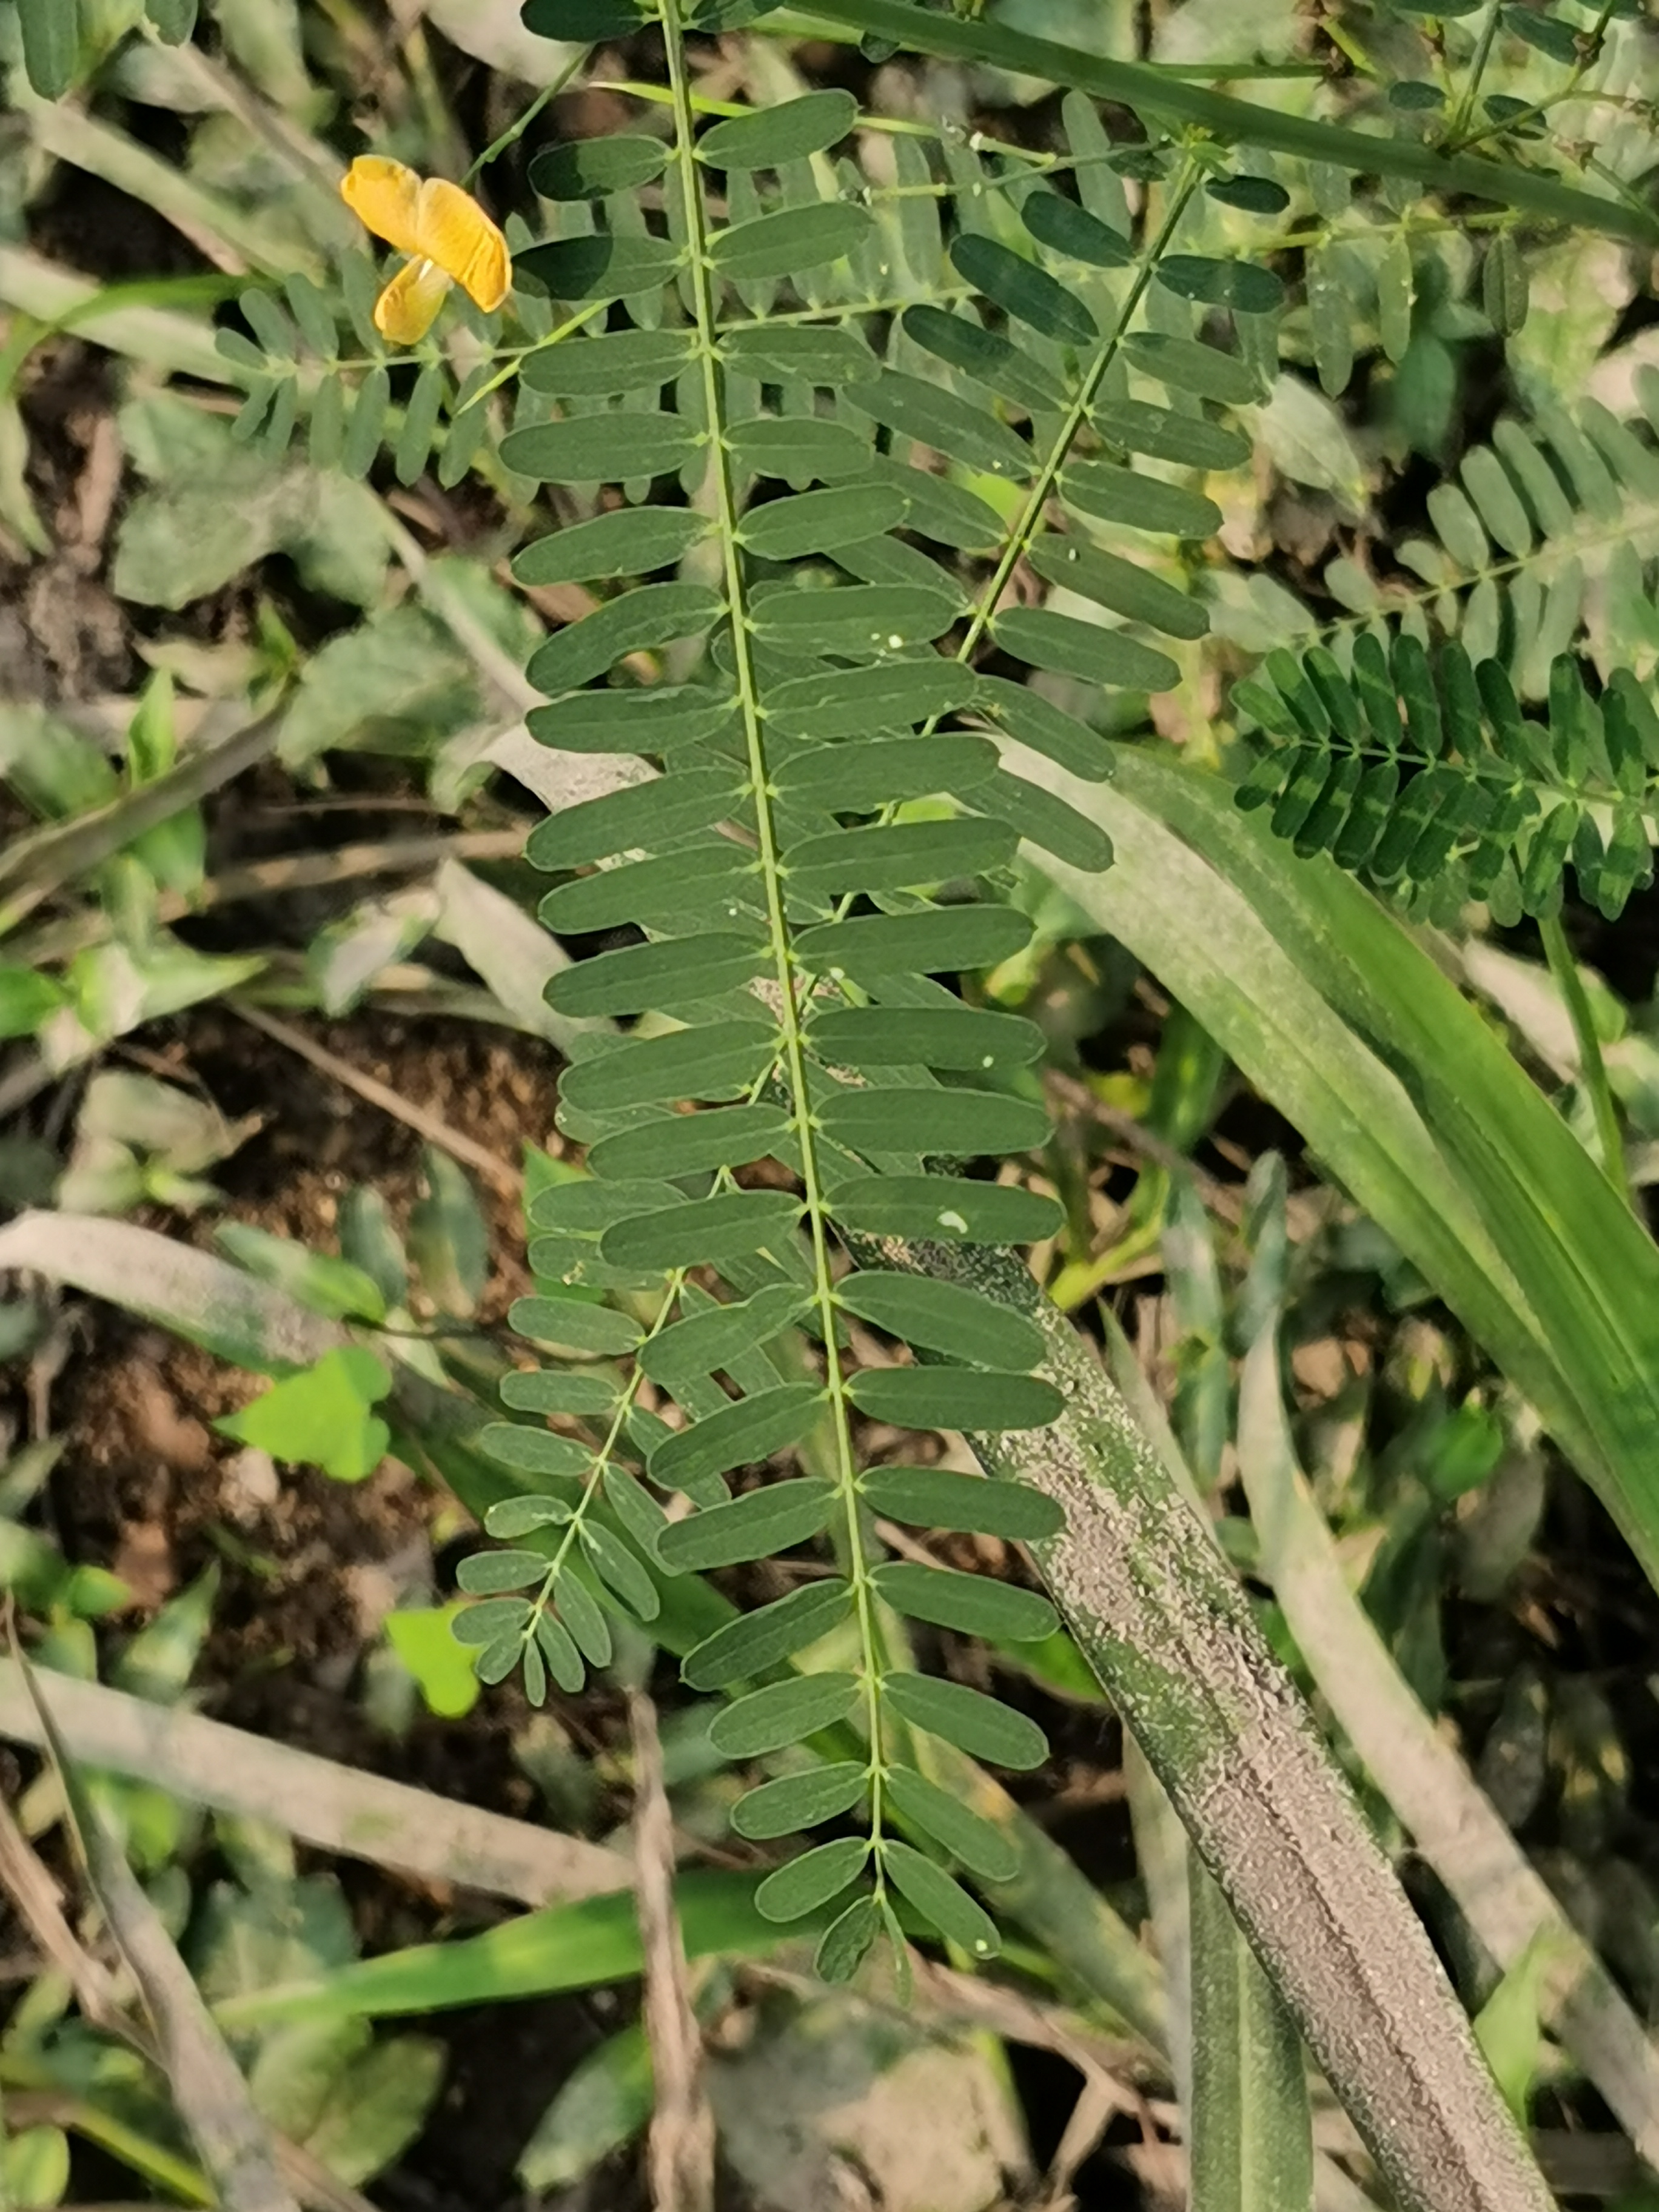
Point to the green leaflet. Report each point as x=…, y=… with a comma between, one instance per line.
x=1185, y=364
x=549, y=1391
x=603, y=267
x=1140, y=502
x=945, y=1122
x=935, y=1498
x=714, y=1063
x=591, y=168
x=771, y=135
x=533, y=1451
x=854, y=619
x=819, y=521
x=957, y=1038
x=1067, y=228
x=638, y=815
x=754, y=1527
x=970, y=1399
x=607, y=367
x=942, y=940
x=1024, y=291
x=704, y=1342
x=936, y=417
x=1122, y=586
x=1053, y=823
x=795, y=239
x=573, y=1324
x=600, y=448
x=749, y=1645
x=672, y=972
x=731, y=1224
x=945, y=1209
x=975, y=1605
x=896, y=856
x=1164, y=435
x=1092, y=651
x=945, y=1901
x=800, y=1801
x=744, y=1431
x=1240, y=285
x=788, y=1712
x=990, y=359
x=688, y=1144
x=630, y=542
x=785, y=353
x=943, y=1317
x=857, y=779
x=812, y=1879
x=844, y=704
x=652, y=891
x=642, y=621
x=963, y=1833
x=632, y=721
x=974, y=1723
x=798, y=448
x=1048, y=729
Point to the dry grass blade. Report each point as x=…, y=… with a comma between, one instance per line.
x=333, y=1808
x=680, y=2146
x=233, y=2144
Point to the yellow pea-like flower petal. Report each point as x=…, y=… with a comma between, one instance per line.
x=454, y=231
x=385, y=199
x=408, y=307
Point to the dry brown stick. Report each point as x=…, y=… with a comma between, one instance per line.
x=432, y=1127
x=680, y=2145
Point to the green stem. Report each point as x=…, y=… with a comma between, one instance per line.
x=793, y=1053
x=1243, y=122
x=1477, y=70
x=1592, y=1068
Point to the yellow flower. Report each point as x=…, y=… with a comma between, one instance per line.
x=447, y=235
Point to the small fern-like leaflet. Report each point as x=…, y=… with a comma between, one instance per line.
x=797, y=888
x=1422, y=775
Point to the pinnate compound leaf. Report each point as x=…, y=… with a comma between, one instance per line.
x=942, y=1900
x=936, y=1497
x=813, y=1879
x=946, y=1317
x=748, y=1646
x=967, y=1835
x=799, y=1801
x=945, y=1209
x=784, y=1713
x=975, y=1605
x=974, y=1723
x=742, y=1432
x=754, y=1527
